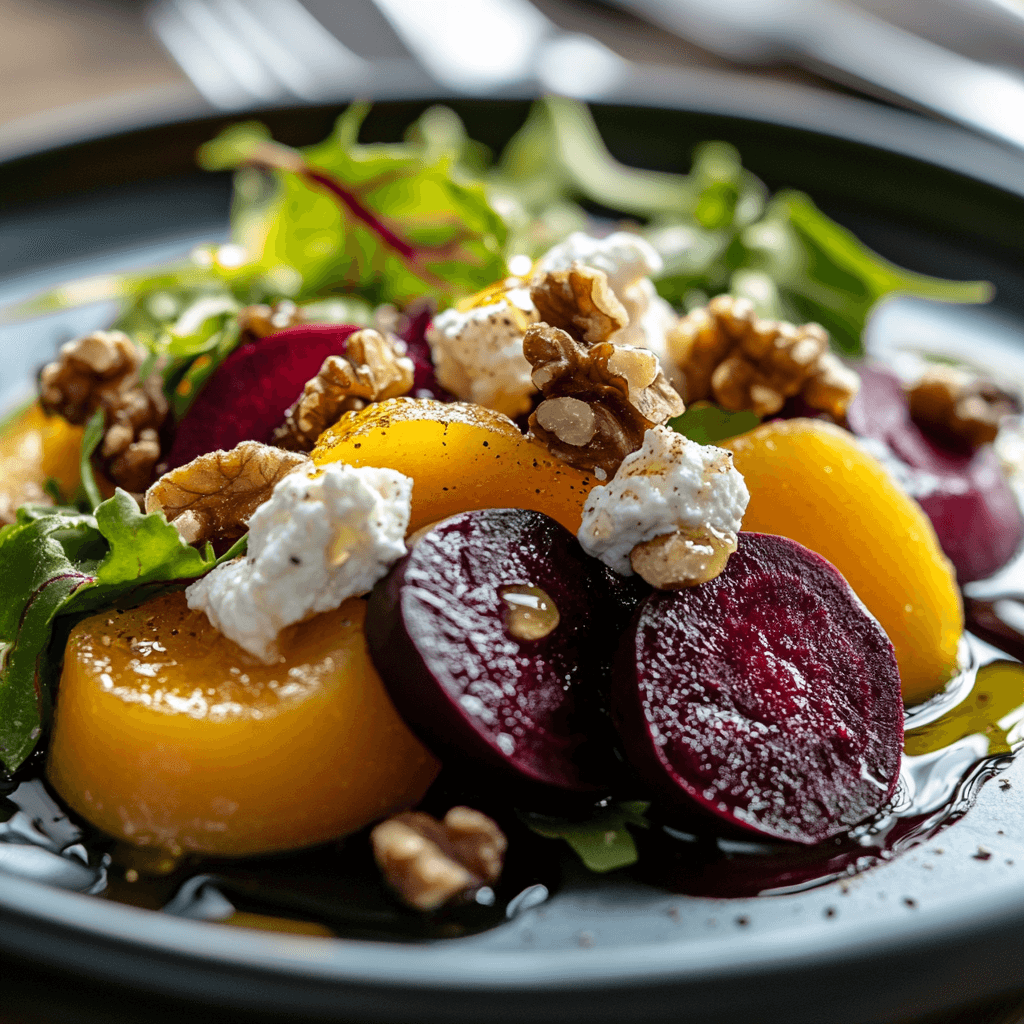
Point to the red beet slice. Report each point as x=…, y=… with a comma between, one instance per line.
x=965, y=494
x=466, y=681
x=424, y=382
x=768, y=698
x=249, y=393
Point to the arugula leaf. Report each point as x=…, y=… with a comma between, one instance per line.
x=91, y=439
x=823, y=273
x=143, y=548
x=439, y=133
x=52, y=488
x=706, y=423
x=796, y=264
x=66, y=563
x=559, y=154
x=712, y=227
x=33, y=559
x=602, y=842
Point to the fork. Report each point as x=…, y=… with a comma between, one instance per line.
x=245, y=53
x=852, y=46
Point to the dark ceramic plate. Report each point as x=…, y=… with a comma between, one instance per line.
x=935, y=928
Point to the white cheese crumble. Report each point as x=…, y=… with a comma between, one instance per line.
x=1009, y=446
x=651, y=328
x=478, y=352
x=671, y=484
x=624, y=257
x=628, y=260
x=318, y=541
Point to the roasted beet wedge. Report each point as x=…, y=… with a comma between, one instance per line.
x=965, y=494
x=247, y=396
x=488, y=641
x=424, y=384
x=768, y=698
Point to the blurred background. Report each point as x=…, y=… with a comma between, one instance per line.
x=74, y=67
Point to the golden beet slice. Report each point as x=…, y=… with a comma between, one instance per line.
x=33, y=448
x=810, y=482
x=167, y=734
x=461, y=458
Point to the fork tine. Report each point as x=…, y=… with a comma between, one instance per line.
x=221, y=68
x=243, y=53
x=306, y=58
x=193, y=55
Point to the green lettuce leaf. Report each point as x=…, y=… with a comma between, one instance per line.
x=391, y=222
x=35, y=565
x=61, y=563
x=602, y=842
x=822, y=272
x=708, y=424
x=91, y=439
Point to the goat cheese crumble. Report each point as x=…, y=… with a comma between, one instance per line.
x=322, y=537
x=671, y=485
x=629, y=261
x=478, y=352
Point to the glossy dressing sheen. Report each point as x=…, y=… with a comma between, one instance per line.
x=954, y=744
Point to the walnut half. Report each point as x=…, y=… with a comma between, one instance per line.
x=101, y=371
x=214, y=496
x=958, y=406
x=371, y=370
x=580, y=302
x=598, y=401
x=257, y=322
x=429, y=862
x=726, y=353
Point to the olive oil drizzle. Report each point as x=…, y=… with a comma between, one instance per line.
x=954, y=744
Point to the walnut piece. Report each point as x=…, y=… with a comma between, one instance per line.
x=958, y=406
x=257, y=322
x=684, y=558
x=371, y=370
x=212, y=497
x=91, y=372
x=580, y=302
x=598, y=400
x=101, y=371
x=429, y=862
x=726, y=353
x=671, y=513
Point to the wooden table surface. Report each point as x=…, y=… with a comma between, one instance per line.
x=63, y=62
x=58, y=54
